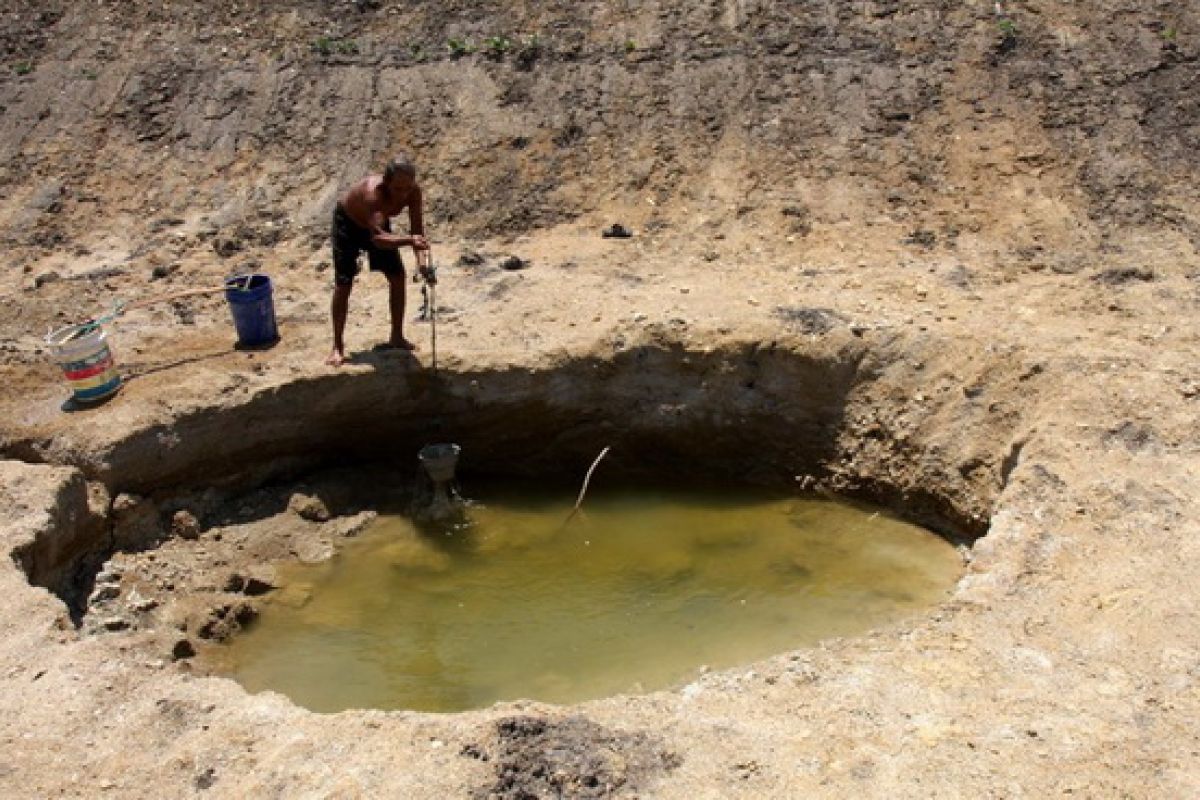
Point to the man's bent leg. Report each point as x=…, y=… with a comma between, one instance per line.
x=339, y=309
x=346, y=239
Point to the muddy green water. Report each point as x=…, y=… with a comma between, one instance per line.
x=644, y=592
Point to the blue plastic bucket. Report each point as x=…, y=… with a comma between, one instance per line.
x=87, y=362
x=253, y=311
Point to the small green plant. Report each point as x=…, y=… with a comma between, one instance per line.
x=23, y=68
x=459, y=47
x=328, y=45
x=417, y=52
x=497, y=45
x=630, y=45
x=89, y=74
x=1008, y=28
x=1170, y=33
x=323, y=45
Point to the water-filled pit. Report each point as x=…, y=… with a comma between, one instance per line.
x=180, y=536
x=242, y=540
x=644, y=590
x=1043, y=646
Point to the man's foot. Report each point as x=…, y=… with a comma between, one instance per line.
x=336, y=358
x=397, y=344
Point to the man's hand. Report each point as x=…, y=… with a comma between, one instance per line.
x=418, y=242
x=425, y=268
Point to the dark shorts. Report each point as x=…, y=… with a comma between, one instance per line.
x=349, y=240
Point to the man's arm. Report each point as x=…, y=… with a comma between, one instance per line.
x=384, y=240
x=416, y=225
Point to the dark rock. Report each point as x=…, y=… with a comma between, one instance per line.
x=568, y=135
x=256, y=586
x=183, y=648
x=226, y=620
x=513, y=263
x=185, y=525
x=208, y=777
x=309, y=508
x=616, y=231
x=471, y=258
x=225, y=246
x=474, y=751
x=244, y=614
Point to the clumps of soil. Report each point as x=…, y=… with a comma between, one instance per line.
x=1120, y=276
x=811, y=321
x=574, y=757
x=1133, y=437
x=27, y=29
x=800, y=219
x=921, y=238
x=194, y=570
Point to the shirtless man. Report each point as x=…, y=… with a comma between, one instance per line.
x=362, y=221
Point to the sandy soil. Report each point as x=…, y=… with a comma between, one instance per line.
x=950, y=271
x=1067, y=659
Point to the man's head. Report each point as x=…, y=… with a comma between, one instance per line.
x=400, y=174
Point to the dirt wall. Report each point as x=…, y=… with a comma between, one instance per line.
x=1039, y=128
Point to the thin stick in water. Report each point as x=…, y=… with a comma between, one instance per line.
x=586, y=479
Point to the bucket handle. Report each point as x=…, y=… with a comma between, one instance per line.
x=246, y=278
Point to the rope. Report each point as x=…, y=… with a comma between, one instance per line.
x=583, y=491
x=428, y=272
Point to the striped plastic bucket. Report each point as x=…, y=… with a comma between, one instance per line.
x=86, y=360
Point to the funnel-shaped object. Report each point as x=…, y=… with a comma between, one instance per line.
x=439, y=461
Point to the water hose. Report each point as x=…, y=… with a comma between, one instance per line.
x=121, y=307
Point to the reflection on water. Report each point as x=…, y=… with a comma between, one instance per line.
x=636, y=595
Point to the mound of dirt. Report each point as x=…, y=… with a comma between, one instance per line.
x=574, y=757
